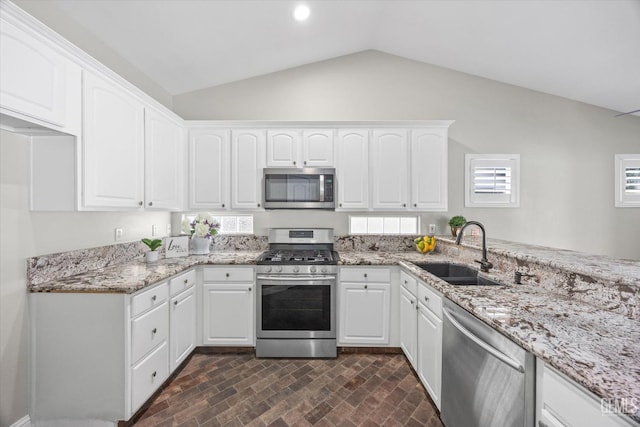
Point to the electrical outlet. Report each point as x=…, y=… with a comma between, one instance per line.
x=118, y=233
x=154, y=230
x=169, y=229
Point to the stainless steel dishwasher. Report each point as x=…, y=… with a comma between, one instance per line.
x=487, y=380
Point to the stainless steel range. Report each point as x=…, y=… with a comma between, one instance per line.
x=296, y=281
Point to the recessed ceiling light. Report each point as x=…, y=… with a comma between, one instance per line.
x=301, y=13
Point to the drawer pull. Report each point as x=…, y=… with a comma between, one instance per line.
x=405, y=282
x=365, y=286
x=227, y=274
x=154, y=331
x=186, y=281
x=426, y=299
x=365, y=275
x=153, y=298
x=175, y=302
x=249, y=288
x=411, y=302
x=154, y=374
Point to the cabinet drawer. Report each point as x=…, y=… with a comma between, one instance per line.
x=228, y=274
x=430, y=299
x=382, y=275
x=409, y=283
x=146, y=299
x=182, y=282
x=148, y=375
x=149, y=330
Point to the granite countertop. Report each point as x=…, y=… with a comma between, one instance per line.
x=597, y=348
x=132, y=276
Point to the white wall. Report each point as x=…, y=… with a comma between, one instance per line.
x=25, y=234
x=567, y=148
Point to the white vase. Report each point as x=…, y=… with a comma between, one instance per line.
x=201, y=245
x=151, y=256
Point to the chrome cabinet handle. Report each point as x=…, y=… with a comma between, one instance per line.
x=227, y=274
x=411, y=302
x=305, y=163
x=426, y=299
x=153, y=298
x=365, y=275
x=175, y=302
x=365, y=286
x=186, y=281
x=250, y=288
x=258, y=204
x=223, y=205
x=404, y=205
x=150, y=203
x=154, y=374
x=415, y=205
x=140, y=203
x=154, y=330
x=294, y=163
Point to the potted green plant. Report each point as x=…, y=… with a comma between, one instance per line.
x=455, y=223
x=152, y=255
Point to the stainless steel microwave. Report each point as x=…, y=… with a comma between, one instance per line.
x=304, y=188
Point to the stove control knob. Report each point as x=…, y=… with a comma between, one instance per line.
x=324, y=269
x=312, y=269
x=279, y=269
x=267, y=269
x=296, y=269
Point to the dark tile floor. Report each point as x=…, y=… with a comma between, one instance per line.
x=239, y=390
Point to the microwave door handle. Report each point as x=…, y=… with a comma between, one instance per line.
x=321, y=187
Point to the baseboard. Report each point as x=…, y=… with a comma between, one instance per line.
x=369, y=350
x=22, y=422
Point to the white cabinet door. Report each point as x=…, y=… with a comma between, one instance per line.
x=164, y=162
x=228, y=314
x=317, y=148
x=353, y=169
x=430, y=352
x=408, y=326
x=113, y=145
x=429, y=154
x=33, y=76
x=247, y=162
x=364, y=313
x=283, y=148
x=389, y=169
x=182, y=327
x=209, y=169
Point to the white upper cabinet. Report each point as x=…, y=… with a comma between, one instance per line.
x=353, y=169
x=317, y=148
x=113, y=146
x=283, y=148
x=429, y=159
x=300, y=148
x=247, y=162
x=209, y=168
x=36, y=81
x=389, y=165
x=164, y=162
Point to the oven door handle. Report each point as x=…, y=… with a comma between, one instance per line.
x=296, y=278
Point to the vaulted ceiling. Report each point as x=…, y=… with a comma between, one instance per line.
x=585, y=50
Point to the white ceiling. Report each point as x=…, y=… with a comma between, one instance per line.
x=586, y=50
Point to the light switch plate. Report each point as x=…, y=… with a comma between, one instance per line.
x=154, y=230
x=118, y=233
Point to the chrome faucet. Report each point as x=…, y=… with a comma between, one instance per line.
x=485, y=265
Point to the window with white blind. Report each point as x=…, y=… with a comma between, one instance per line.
x=492, y=180
x=384, y=224
x=627, y=180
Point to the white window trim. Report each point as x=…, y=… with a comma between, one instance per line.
x=472, y=199
x=624, y=199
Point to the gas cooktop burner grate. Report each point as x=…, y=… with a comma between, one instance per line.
x=301, y=257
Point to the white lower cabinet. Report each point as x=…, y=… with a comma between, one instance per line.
x=96, y=358
x=182, y=318
x=421, y=332
x=364, y=306
x=228, y=306
x=562, y=403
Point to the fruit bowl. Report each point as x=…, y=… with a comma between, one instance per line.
x=425, y=244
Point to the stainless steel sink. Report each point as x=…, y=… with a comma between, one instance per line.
x=457, y=274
